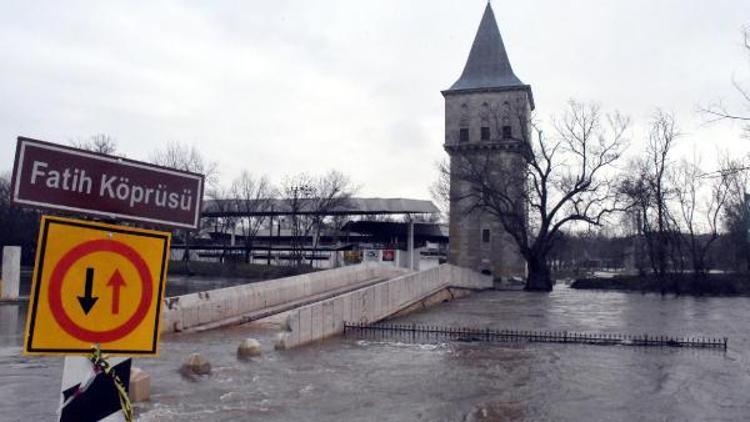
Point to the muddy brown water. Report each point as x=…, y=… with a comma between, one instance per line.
x=348, y=379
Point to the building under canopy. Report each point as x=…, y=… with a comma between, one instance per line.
x=306, y=206
x=277, y=241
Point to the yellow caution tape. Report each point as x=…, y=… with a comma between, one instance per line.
x=100, y=364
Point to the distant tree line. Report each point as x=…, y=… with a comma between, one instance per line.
x=310, y=198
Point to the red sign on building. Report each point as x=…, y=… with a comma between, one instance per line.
x=51, y=176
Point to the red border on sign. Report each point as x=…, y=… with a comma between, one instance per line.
x=61, y=269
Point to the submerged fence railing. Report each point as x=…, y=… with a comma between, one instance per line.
x=426, y=333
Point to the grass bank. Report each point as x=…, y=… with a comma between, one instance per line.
x=725, y=284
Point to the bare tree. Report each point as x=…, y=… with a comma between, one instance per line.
x=187, y=158
x=556, y=183
x=224, y=226
x=330, y=192
x=311, y=199
x=700, y=200
x=735, y=213
x=648, y=190
x=251, y=195
x=101, y=143
x=718, y=111
x=18, y=226
x=440, y=190
x=298, y=189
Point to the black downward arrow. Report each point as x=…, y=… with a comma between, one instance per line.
x=87, y=301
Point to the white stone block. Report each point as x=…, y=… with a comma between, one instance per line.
x=11, y=277
x=316, y=323
x=140, y=385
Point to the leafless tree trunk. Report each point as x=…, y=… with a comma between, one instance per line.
x=310, y=200
x=101, y=143
x=251, y=195
x=298, y=190
x=701, y=201
x=225, y=225
x=329, y=192
x=440, y=190
x=18, y=226
x=649, y=192
x=560, y=182
x=718, y=111
x=187, y=158
x=736, y=221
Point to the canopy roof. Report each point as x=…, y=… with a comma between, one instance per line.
x=306, y=206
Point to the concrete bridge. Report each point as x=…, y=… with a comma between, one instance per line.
x=317, y=304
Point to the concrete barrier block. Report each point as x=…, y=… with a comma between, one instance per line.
x=362, y=304
x=327, y=318
x=11, y=275
x=282, y=342
x=337, y=322
x=189, y=317
x=293, y=325
x=371, y=305
x=139, y=388
x=305, y=325
x=346, y=307
x=205, y=313
x=316, y=324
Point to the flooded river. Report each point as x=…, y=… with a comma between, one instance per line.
x=347, y=379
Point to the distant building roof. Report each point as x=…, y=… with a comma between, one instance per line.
x=352, y=206
x=428, y=231
x=488, y=66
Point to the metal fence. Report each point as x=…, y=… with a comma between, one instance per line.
x=425, y=333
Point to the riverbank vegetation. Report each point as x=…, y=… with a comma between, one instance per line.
x=713, y=284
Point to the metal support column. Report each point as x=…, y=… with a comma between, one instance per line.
x=270, y=236
x=410, y=243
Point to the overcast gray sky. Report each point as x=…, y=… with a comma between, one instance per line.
x=281, y=87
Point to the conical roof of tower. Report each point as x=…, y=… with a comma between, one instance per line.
x=488, y=66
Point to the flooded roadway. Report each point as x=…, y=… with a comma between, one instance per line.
x=346, y=379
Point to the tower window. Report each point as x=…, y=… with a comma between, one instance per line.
x=507, y=132
x=463, y=134
x=485, y=235
x=485, y=134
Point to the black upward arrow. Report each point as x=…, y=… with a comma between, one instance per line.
x=87, y=301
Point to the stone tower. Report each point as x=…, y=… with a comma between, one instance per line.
x=481, y=122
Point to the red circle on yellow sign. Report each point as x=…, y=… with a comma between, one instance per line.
x=62, y=268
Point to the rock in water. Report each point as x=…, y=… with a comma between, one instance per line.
x=249, y=347
x=197, y=365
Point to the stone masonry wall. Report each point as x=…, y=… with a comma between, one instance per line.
x=500, y=256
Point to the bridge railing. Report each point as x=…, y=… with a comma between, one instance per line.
x=428, y=333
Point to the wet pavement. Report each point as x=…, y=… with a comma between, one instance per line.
x=347, y=379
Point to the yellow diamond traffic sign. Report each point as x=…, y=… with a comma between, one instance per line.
x=96, y=283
